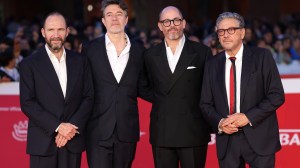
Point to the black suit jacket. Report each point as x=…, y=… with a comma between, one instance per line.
x=42, y=100
x=261, y=94
x=176, y=119
x=115, y=103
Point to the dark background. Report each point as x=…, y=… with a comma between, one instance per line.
x=145, y=12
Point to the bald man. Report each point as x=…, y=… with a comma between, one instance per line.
x=178, y=132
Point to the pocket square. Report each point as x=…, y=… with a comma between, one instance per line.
x=191, y=67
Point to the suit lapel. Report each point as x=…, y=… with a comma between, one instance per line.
x=72, y=73
x=47, y=70
x=246, y=71
x=129, y=62
x=104, y=59
x=162, y=60
x=221, y=75
x=185, y=59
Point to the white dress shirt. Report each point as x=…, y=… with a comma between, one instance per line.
x=238, y=70
x=173, y=58
x=117, y=63
x=60, y=68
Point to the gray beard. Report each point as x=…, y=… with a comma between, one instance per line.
x=55, y=49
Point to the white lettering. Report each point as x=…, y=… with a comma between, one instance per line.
x=295, y=140
x=15, y=109
x=212, y=139
x=4, y=109
x=284, y=139
x=289, y=139
x=11, y=109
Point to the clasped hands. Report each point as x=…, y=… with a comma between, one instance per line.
x=231, y=124
x=66, y=132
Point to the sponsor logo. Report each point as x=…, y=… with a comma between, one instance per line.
x=142, y=133
x=212, y=139
x=288, y=137
x=19, y=132
x=10, y=109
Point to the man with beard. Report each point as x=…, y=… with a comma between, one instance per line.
x=178, y=132
x=56, y=94
x=117, y=68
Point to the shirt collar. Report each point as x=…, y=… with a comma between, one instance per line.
x=51, y=55
x=181, y=42
x=108, y=42
x=238, y=55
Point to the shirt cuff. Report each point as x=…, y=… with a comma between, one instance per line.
x=220, y=131
x=57, y=128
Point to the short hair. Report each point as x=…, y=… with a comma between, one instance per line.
x=121, y=3
x=7, y=41
x=55, y=13
x=230, y=15
x=6, y=56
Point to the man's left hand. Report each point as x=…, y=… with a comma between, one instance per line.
x=237, y=119
x=60, y=140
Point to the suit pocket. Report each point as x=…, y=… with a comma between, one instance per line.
x=96, y=111
x=39, y=143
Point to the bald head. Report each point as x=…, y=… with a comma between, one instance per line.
x=172, y=24
x=169, y=9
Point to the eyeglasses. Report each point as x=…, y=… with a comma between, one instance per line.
x=167, y=22
x=230, y=30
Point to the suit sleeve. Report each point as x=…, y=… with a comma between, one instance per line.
x=82, y=114
x=274, y=94
x=145, y=89
x=207, y=104
x=29, y=103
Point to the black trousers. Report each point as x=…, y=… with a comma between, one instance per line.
x=186, y=157
x=62, y=159
x=239, y=152
x=111, y=153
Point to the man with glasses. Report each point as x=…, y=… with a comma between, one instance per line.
x=178, y=132
x=241, y=92
x=117, y=69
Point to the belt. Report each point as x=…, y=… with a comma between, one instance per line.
x=240, y=130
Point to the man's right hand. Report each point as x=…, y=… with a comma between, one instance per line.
x=60, y=141
x=228, y=128
x=67, y=130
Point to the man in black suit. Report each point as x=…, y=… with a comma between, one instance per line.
x=117, y=69
x=178, y=132
x=56, y=94
x=241, y=92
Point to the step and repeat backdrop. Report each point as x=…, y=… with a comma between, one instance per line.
x=13, y=130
